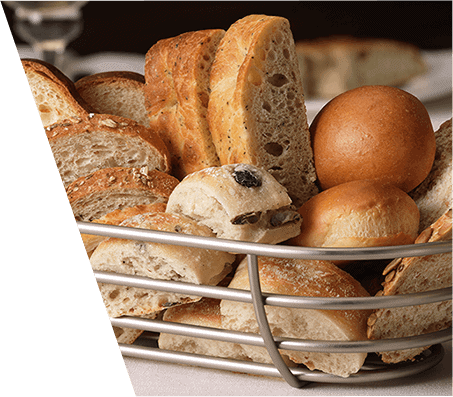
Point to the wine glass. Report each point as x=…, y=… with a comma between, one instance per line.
x=48, y=26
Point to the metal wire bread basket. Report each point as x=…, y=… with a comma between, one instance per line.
x=373, y=369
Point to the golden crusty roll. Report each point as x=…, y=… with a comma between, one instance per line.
x=360, y=213
x=373, y=132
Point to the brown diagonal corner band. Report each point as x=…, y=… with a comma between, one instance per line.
x=56, y=336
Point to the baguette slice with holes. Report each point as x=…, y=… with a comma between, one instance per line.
x=157, y=261
x=302, y=278
x=118, y=92
x=109, y=189
x=256, y=110
x=177, y=95
x=434, y=195
x=105, y=141
x=411, y=275
x=54, y=93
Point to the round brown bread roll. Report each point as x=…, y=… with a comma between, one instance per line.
x=360, y=213
x=373, y=132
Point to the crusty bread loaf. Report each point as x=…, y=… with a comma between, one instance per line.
x=109, y=189
x=411, y=275
x=116, y=217
x=373, y=132
x=360, y=213
x=177, y=94
x=238, y=202
x=434, y=195
x=204, y=313
x=54, y=93
x=302, y=278
x=105, y=141
x=332, y=65
x=118, y=92
x=256, y=110
x=157, y=261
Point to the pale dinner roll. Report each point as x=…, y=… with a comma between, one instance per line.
x=373, y=132
x=360, y=213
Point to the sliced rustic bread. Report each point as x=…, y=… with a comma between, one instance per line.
x=177, y=94
x=157, y=261
x=410, y=275
x=302, y=278
x=332, y=65
x=434, y=195
x=256, y=109
x=116, y=217
x=54, y=93
x=104, y=141
x=109, y=189
x=118, y=92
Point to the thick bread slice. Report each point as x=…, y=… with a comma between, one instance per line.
x=302, y=278
x=332, y=65
x=256, y=110
x=410, y=275
x=91, y=241
x=434, y=195
x=157, y=261
x=177, y=95
x=118, y=93
x=105, y=141
x=238, y=202
x=54, y=93
x=108, y=189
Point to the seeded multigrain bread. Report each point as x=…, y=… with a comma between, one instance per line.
x=54, y=93
x=301, y=278
x=157, y=261
x=256, y=110
x=105, y=141
x=177, y=95
x=238, y=202
x=109, y=189
x=118, y=92
x=91, y=241
x=434, y=195
x=411, y=275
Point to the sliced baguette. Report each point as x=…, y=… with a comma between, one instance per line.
x=301, y=278
x=256, y=110
x=54, y=93
x=119, y=93
x=411, y=275
x=434, y=195
x=177, y=95
x=157, y=261
x=116, y=217
x=105, y=141
x=109, y=189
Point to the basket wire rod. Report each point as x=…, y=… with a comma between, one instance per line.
x=323, y=346
x=263, y=324
x=365, y=375
x=340, y=303
x=278, y=251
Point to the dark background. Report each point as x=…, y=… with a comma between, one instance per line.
x=134, y=26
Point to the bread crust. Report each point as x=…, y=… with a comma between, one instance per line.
x=256, y=111
x=411, y=275
x=64, y=103
x=177, y=95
